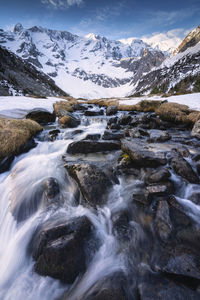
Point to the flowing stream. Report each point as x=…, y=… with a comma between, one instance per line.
x=17, y=279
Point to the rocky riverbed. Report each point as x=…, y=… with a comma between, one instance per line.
x=105, y=206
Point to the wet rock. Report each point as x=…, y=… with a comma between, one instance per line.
x=106, y=289
x=196, y=130
x=111, y=110
x=5, y=163
x=137, y=132
x=51, y=188
x=69, y=120
x=182, y=167
x=161, y=189
x=158, y=176
x=156, y=288
x=180, y=260
x=178, y=213
x=109, y=135
x=158, y=136
x=121, y=226
x=112, y=120
x=93, y=137
x=94, y=113
x=92, y=147
x=41, y=116
x=92, y=182
x=59, y=250
x=53, y=134
x=115, y=126
x=79, y=107
x=125, y=120
x=141, y=155
x=163, y=223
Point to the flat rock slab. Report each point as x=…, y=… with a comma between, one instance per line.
x=86, y=146
x=142, y=154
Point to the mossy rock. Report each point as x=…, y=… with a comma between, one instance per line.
x=14, y=134
x=62, y=106
x=174, y=112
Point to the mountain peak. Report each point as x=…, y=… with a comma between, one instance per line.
x=18, y=28
x=93, y=36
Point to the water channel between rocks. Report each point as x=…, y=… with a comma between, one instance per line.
x=134, y=246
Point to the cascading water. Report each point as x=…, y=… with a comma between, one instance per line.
x=17, y=279
x=24, y=207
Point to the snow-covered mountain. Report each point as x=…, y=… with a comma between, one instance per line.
x=88, y=67
x=177, y=74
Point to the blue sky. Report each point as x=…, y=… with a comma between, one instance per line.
x=113, y=19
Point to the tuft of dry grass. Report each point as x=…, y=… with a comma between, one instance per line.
x=174, y=112
x=14, y=134
x=62, y=106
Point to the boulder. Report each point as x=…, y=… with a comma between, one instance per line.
x=182, y=167
x=142, y=155
x=196, y=130
x=137, y=132
x=92, y=182
x=41, y=116
x=111, y=110
x=79, y=107
x=158, y=136
x=86, y=146
x=160, y=189
x=59, y=249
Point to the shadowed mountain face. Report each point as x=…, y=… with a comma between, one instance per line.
x=17, y=76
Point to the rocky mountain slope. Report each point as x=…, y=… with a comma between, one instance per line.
x=17, y=77
x=94, y=64
x=177, y=74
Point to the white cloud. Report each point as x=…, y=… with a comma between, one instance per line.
x=61, y=4
x=166, y=41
